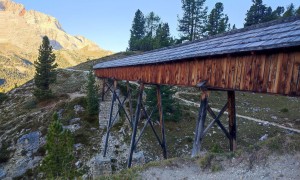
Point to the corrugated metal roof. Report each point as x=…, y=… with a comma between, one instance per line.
x=275, y=34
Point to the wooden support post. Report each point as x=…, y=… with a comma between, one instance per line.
x=232, y=120
x=103, y=89
x=135, y=124
x=161, y=120
x=200, y=124
x=109, y=124
x=130, y=101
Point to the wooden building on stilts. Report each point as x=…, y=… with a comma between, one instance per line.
x=264, y=59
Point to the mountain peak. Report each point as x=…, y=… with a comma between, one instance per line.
x=25, y=29
x=8, y=5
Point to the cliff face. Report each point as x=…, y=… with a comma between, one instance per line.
x=21, y=33
x=26, y=28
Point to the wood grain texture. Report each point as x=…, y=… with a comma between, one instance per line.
x=275, y=73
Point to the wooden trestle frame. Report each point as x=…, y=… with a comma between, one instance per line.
x=260, y=59
x=200, y=132
x=134, y=119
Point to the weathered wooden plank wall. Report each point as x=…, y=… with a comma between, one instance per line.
x=276, y=73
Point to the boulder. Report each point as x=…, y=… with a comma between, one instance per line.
x=78, y=109
x=29, y=143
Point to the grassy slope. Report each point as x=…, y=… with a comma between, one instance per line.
x=17, y=68
x=21, y=114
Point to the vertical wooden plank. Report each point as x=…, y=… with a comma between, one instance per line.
x=283, y=75
x=200, y=70
x=173, y=73
x=184, y=72
x=237, y=74
x=224, y=74
x=229, y=73
x=242, y=75
x=260, y=76
x=213, y=72
x=290, y=67
x=218, y=71
x=297, y=61
x=192, y=71
x=233, y=72
x=272, y=74
x=247, y=73
x=265, y=84
x=254, y=74
x=279, y=76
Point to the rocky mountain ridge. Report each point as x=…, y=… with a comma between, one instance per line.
x=25, y=29
x=21, y=33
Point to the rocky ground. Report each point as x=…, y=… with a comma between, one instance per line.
x=24, y=122
x=276, y=167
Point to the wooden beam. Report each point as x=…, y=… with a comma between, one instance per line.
x=109, y=124
x=232, y=120
x=103, y=89
x=135, y=124
x=130, y=101
x=200, y=124
x=161, y=120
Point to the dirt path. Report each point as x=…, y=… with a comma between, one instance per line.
x=237, y=115
x=73, y=70
x=277, y=167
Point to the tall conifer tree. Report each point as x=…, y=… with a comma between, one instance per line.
x=163, y=37
x=217, y=21
x=137, y=32
x=260, y=13
x=192, y=24
x=92, y=99
x=59, y=160
x=45, y=71
x=290, y=11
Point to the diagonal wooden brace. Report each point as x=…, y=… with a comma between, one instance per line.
x=211, y=112
x=216, y=119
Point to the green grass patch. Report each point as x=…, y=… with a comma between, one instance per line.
x=3, y=97
x=4, y=152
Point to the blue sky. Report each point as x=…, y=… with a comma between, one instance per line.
x=108, y=22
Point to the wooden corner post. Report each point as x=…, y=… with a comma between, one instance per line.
x=161, y=121
x=109, y=123
x=232, y=120
x=135, y=124
x=103, y=89
x=200, y=121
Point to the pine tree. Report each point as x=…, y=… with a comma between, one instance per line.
x=256, y=13
x=163, y=37
x=152, y=23
x=291, y=11
x=59, y=160
x=277, y=13
x=217, y=21
x=92, y=99
x=234, y=27
x=260, y=13
x=171, y=110
x=45, y=71
x=298, y=11
x=192, y=24
x=137, y=32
